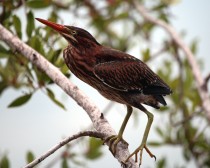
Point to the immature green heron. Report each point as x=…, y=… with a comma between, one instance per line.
x=118, y=76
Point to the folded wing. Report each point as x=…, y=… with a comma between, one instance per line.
x=131, y=75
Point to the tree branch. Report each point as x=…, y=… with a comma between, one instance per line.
x=94, y=134
x=200, y=82
x=99, y=123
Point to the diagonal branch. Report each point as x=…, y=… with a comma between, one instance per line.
x=94, y=134
x=99, y=122
x=200, y=82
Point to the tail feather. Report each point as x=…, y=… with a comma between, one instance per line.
x=157, y=90
x=160, y=99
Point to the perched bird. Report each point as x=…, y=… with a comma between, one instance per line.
x=118, y=76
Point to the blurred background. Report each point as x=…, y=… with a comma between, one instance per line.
x=36, y=114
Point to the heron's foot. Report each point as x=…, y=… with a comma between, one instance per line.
x=113, y=141
x=140, y=151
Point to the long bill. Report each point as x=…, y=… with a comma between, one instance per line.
x=55, y=26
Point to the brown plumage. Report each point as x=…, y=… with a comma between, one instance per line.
x=116, y=75
x=112, y=71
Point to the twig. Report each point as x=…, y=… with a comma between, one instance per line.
x=204, y=95
x=187, y=119
x=158, y=53
x=62, y=143
x=99, y=123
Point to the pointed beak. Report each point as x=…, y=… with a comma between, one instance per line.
x=63, y=30
x=55, y=26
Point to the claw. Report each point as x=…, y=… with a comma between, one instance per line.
x=140, y=151
x=150, y=153
x=108, y=139
x=113, y=141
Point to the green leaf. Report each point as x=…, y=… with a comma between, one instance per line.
x=159, y=131
x=147, y=27
x=163, y=16
x=52, y=97
x=146, y=54
x=163, y=109
x=17, y=25
x=64, y=69
x=123, y=15
x=30, y=23
x=155, y=143
x=53, y=55
x=38, y=4
x=94, y=150
x=20, y=100
x=186, y=154
x=4, y=162
x=30, y=156
x=53, y=16
x=65, y=163
x=159, y=7
x=3, y=86
x=3, y=51
x=36, y=43
x=161, y=163
x=194, y=46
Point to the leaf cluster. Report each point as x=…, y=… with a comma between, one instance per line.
x=17, y=72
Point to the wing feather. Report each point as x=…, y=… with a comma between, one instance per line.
x=131, y=75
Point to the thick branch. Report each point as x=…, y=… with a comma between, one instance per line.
x=99, y=123
x=200, y=82
x=94, y=134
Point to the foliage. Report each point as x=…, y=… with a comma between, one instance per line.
x=116, y=27
x=4, y=162
x=21, y=72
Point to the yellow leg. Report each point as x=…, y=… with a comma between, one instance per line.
x=144, y=140
x=114, y=140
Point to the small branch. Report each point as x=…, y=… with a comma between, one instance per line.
x=99, y=123
x=94, y=134
x=186, y=119
x=157, y=54
x=204, y=95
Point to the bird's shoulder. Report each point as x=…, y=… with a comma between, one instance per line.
x=108, y=54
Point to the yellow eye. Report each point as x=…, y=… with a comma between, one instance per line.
x=74, y=32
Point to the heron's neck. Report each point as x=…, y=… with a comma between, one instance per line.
x=83, y=48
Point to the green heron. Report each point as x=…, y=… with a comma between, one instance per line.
x=118, y=76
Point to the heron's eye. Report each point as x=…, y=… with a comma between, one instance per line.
x=74, y=32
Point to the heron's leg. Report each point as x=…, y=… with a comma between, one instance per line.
x=144, y=140
x=113, y=140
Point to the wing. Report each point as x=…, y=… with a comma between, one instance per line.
x=131, y=75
